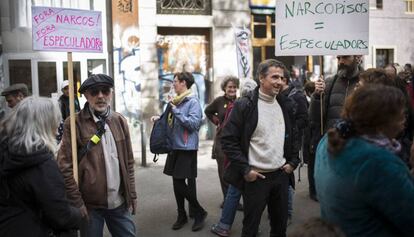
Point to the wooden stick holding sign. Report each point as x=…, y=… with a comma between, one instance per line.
x=72, y=118
x=51, y=31
x=322, y=93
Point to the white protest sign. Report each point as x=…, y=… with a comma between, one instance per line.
x=243, y=46
x=322, y=27
x=68, y=30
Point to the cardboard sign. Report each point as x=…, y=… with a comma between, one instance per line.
x=67, y=30
x=322, y=27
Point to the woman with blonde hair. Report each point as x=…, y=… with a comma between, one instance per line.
x=362, y=185
x=32, y=191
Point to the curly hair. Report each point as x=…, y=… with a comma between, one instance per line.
x=368, y=109
x=376, y=76
x=228, y=79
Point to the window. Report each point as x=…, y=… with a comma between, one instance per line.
x=409, y=6
x=96, y=66
x=47, y=78
x=384, y=57
x=20, y=71
x=263, y=29
x=375, y=4
x=184, y=7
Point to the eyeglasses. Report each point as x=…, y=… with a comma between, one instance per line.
x=104, y=90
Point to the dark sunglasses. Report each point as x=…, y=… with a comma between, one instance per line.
x=104, y=90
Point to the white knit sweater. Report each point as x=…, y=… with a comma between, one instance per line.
x=267, y=141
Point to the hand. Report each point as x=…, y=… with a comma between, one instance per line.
x=287, y=168
x=253, y=175
x=319, y=86
x=133, y=207
x=155, y=118
x=84, y=212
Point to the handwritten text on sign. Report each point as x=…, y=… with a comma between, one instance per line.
x=322, y=27
x=69, y=30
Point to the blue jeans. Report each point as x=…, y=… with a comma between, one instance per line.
x=291, y=192
x=119, y=222
x=229, y=207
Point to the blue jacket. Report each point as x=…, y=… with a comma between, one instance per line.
x=365, y=189
x=187, y=121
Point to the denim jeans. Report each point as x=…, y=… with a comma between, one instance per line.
x=291, y=192
x=229, y=207
x=119, y=222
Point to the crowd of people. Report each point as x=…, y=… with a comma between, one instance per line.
x=354, y=130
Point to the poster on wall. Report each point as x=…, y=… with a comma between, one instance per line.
x=322, y=27
x=127, y=63
x=66, y=30
x=177, y=53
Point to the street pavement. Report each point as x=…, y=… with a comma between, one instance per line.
x=157, y=207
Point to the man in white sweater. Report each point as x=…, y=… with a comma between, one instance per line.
x=260, y=141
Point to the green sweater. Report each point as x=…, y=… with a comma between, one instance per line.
x=365, y=189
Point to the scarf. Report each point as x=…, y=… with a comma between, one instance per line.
x=100, y=115
x=179, y=98
x=382, y=141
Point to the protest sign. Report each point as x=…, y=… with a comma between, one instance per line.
x=67, y=30
x=322, y=27
x=243, y=46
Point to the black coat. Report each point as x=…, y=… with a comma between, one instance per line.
x=32, y=195
x=64, y=106
x=236, y=135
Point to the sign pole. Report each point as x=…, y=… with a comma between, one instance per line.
x=321, y=98
x=72, y=118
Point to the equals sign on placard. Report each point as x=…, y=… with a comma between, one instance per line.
x=318, y=25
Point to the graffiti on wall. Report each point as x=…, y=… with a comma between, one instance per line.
x=177, y=53
x=126, y=57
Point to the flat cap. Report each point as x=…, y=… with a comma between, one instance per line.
x=96, y=80
x=16, y=88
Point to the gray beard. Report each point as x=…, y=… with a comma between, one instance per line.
x=347, y=72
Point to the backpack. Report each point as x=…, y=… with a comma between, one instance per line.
x=160, y=140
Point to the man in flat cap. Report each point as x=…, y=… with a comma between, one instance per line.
x=15, y=93
x=106, y=188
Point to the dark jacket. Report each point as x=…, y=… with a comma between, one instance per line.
x=236, y=135
x=216, y=112
x=64, y=106
x=336, y=91
x=217, y=109
x=32, y=195
x=301, y=108
x=92, y=177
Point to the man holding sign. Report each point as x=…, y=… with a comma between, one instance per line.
x=106, y=187
x=334, y=90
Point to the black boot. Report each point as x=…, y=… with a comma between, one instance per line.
x=191, y=211
x=199, y=221
x=181, y=220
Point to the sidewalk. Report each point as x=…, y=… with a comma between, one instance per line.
x=157, y=207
